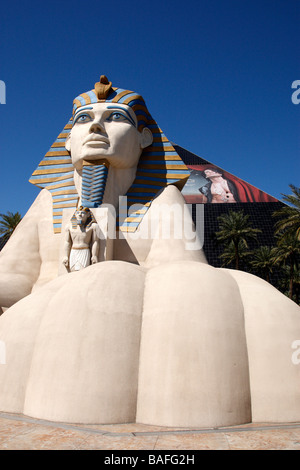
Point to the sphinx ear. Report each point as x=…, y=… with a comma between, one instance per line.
x=146, y=138
x=68, y=142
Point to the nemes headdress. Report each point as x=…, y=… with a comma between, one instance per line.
x=159, y=164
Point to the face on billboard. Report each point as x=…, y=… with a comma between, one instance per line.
x=211, y=185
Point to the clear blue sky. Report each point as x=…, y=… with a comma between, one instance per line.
x=216, y=76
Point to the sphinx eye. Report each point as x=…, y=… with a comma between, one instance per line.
x=82, y=118
x=117, y=116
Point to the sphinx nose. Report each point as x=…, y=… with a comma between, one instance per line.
x=97, y=126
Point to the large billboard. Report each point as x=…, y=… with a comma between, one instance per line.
x=209, y=184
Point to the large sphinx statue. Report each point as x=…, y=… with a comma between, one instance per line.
x=147, y=331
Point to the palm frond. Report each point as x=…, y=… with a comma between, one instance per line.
x=8, y=223
x=289, y=216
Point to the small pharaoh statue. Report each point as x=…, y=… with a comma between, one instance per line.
x=81, y=241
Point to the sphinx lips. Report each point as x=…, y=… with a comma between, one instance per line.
x=96, y=141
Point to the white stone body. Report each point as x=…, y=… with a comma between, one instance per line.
x=151, y=333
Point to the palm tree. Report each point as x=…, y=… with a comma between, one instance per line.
x=290, y=214
x=8, y=224
x=284, y=283
x=263, y=260
x=229, y=253
x=287, y=253
x=235, y=228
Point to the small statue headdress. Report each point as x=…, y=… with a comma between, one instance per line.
x=90, y=220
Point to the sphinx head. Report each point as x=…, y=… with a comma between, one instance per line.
x=113, y=126
x=105, y=128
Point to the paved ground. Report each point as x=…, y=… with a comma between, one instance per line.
x=18, y=432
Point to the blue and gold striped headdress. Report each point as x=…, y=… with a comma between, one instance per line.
x=159, y=164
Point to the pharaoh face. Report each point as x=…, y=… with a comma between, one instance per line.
x=81, y=216
x=107, y=131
